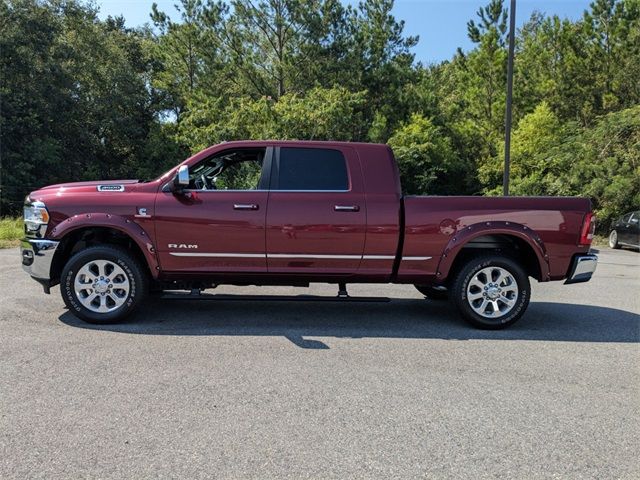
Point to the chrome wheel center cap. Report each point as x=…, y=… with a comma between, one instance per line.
x=493, y=292
x=101, y=286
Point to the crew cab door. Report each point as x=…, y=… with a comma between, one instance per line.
x=217, y=223
x=316, y=219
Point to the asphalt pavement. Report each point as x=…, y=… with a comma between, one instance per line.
x=275, y=389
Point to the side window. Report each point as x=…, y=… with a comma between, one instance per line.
x=634, y=217
x=312, y=169
x=626, y=218
x=229, y=170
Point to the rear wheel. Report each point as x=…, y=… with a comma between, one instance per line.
x=613, y=239
x=491, y=291
x=432, y=293
x=103, y=284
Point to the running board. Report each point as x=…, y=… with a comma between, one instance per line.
x=269, y=298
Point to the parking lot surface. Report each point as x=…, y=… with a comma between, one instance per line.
x=255, y=389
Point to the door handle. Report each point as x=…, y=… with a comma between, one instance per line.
x=346, y=208
x=245, y=206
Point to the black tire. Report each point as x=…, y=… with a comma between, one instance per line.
x=431, y=293
x=460, y=287
x=613, y=239
x=135, y=274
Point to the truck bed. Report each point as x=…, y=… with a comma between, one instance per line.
x=435, y=226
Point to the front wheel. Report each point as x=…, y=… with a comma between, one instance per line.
x=491, y=291
x=103, y=284
x=613, y=239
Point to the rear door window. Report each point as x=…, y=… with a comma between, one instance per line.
x=311, y=169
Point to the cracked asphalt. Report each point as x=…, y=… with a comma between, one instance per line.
x=277, y=389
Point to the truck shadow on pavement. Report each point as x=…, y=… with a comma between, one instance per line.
x=400, y=318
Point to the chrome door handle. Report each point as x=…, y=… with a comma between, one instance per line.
x=245, y=206
x=346, y=208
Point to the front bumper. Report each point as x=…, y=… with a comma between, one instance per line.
x=582, y=268
x=37, y=256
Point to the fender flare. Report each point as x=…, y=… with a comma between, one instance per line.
x=463, y=236
x=117, y=222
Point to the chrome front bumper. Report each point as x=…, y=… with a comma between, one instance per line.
x=37, y=256
x=582, y=267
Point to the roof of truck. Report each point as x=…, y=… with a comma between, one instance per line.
x=301, y=142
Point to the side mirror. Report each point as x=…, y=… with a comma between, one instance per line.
x=181, y=179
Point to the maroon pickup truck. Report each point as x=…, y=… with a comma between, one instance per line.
x=290, y=213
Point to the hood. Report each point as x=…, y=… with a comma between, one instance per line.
x=79, y=192
x=94, y=184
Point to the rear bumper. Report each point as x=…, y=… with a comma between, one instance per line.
x=582, y=268
x=37, y=256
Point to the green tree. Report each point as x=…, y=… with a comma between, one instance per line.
x=534, y=169
x=612, y=45
x=386, y=62
x=321, y=114
x=428, y=164
x=75, y=102
x=549, y=66
x=602, y=162
x=188, y=54
x=582, y=69
x=473, y=90
x=263, y=40
x=599, y=161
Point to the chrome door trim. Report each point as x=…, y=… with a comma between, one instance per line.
x=218, y=255
x=312, y=255
x=294, y=255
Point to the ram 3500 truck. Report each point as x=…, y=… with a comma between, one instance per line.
x=290, y=213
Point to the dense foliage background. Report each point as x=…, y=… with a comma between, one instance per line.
x=89, y=99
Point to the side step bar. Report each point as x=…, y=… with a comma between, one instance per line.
x=269, y=298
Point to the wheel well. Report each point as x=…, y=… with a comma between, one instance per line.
x=510, y=245
x=82, y=238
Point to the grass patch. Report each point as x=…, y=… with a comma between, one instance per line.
x=600, y=241
x=11, y=231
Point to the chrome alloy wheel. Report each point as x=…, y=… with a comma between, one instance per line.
x=101, y=286
x=613, y=239
x=492, y=292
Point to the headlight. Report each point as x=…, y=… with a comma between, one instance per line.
x=35, y=215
